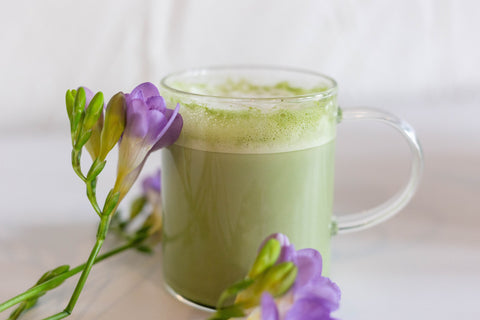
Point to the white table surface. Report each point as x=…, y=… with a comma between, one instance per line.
x=422, y=264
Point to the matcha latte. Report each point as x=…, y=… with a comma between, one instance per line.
x=255, y=157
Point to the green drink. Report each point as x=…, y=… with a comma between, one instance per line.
x=242, y=170
x=220, y=206
x=255, y=157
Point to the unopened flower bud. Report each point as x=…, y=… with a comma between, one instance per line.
x=78, y=110
x=93, y=122
x=95, y=169
x=266, y=258
x=279, y=278
x=114, y=124
x=276, y=280
x=82, y=139
x=93, y=144
x=52, y=274
x=69, y=101
x=111, y=202
x=93, y=112
x=137, y=206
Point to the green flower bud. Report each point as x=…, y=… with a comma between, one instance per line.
x=52, y=274
x=276, y=280
x=145, y=249
x=82, y=139
x=137, y=206
x=93, y=144
x=95, y=169
x=266, y=258
x=111, y=202
x=114, y=124
x=228, y=313
x=69, y=101
x=232, y=291
x=78, y=110
x=93, y=112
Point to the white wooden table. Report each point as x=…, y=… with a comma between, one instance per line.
x=422, y=264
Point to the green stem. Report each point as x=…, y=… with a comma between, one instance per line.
x=59, y=315
x=102, y=231
x=92, y=196
x=30, y=293
x=76, y=154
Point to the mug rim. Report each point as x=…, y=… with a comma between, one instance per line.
x=332, y=86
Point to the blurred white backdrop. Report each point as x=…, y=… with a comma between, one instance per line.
x=419, y=59
x=394, y=54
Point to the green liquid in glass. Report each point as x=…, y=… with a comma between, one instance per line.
x=240, y=171
x=218, y=207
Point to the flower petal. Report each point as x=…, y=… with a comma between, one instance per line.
x=137, y=123
x=136, y=106
x=324, y=289
x=157, y=102
x=269, y=308
x=309, y=263
x=152, y=182
x=144, y=91
x=88, y=95
x=308, y=308
x=131, y=152
x=172, y=129
x=124, y=184
x=288, y=254
x=156, y=122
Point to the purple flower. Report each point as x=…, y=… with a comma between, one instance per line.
x=314, y=296
x=308, y=261
x=309, y=264
x=269, y=308
x=152, y=183
x=309, y=308
x=152, y=191
x=322, y=291
x=149, y=126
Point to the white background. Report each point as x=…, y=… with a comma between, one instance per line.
x=417, y=59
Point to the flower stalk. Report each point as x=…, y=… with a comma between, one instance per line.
x=143, y=124
x=42, y=287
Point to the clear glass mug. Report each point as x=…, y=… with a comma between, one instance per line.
x=255, y=157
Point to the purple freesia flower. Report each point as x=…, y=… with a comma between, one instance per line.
x=149, y=126
x=314, y=296
x=269, y=308
x=309, y=264
x=151, y=186
x=152, y=183
x=324, y=292
x=308, y=261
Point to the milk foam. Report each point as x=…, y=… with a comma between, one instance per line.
x=253, y=126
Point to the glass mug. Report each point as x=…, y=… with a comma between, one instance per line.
x=255, y=157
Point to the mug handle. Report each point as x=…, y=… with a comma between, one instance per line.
x=368, y=218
